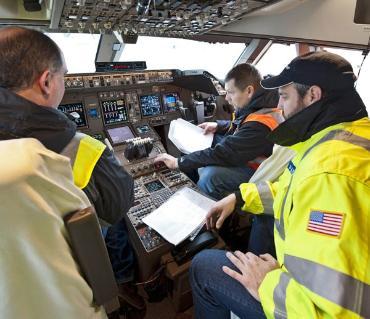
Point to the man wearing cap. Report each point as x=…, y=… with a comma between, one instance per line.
x=321, y=209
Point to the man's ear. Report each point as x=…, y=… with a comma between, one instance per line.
x=250, y=90
x=44, y=83
x=314, y=94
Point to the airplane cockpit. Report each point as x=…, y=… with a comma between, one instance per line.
x=130, y=104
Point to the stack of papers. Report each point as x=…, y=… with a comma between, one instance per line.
x=188, y=137
x=180, y=216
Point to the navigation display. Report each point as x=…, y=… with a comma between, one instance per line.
x=170, y=102
x=114, y=111
x=143, y=129
x=150, y=105
x=76, y=112
x=154, y=186
x=119, y=135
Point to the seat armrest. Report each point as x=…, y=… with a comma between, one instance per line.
x=90, y=253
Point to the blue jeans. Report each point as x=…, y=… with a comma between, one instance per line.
x=120, y=252
x=215, y=294
x=261, y=239
x=219, y=181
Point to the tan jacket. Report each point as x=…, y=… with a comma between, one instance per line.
x=38, y=275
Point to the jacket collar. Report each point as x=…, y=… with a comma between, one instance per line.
x=340, y=107
x=261, y=99
x=20, y=118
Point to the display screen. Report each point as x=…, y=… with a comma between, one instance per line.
x=143, y=129
x=150, y=105
x=114, y=111
x=93, y=112
x=170, y=102
x=119, y=135
x=98, y=136
x=154, y=186
x=76, y=111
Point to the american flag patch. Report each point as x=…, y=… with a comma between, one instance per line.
x=325, y=223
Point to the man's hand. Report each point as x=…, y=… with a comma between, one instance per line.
x=220, y=211
x=208, y=127
x=253, y=269
x=168, y=160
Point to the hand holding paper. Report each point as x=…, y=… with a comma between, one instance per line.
x=188, y=137
x=178, y=217
x=208, y=127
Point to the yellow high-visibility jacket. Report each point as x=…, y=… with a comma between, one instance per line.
x=322, y=227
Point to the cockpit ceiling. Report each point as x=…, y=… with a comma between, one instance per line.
x=163, y=18
x=170, y=18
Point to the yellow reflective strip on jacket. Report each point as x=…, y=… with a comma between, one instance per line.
x=233, y=116
x=329, y=274
x=88, y=154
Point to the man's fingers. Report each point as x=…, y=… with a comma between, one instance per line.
x=212, y=211
x=267, y=257
x=232, y=273
x=241, y=256
x=220, y=221
x=159, y=158
x=251, y=257
x=211, y=216
x=270, y=260
x=235, y=260
x=210, y=222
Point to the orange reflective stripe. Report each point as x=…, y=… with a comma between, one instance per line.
x=265, y=119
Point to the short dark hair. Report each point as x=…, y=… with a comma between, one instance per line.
x=301, y=89
x=244, y=74
x=24, y=55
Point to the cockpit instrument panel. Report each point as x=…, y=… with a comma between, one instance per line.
x=150, y=105
x=170, y=102
x=154, y=185
x=114, y=111
x=76, y=112
x=119, y=135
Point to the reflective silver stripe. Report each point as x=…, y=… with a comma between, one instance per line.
x=266, y=197
x=71, y=149
x=333, y=285
x=280, y=296
x=365, y=308
x=354, y=139
x=342, y=135
x=279, y=224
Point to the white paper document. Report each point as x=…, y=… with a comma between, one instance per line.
x=180, y=216
x=188, y=137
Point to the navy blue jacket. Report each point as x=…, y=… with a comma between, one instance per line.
x=242, y=142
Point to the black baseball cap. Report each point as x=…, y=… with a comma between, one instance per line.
x=326, y=70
